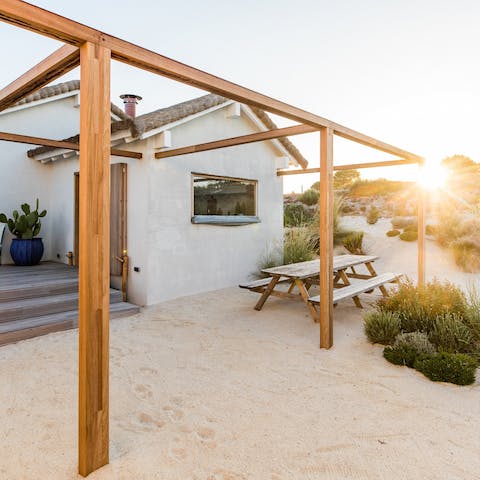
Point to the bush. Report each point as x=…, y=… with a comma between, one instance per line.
x=454, y=368
x=417, y=340
x=338, y=231
x=296, y=215
x=466, y=252
x=309, y=197
x=403, y=222
x=451, y=335
x=407, y=347
x=373, y=215
x=393, y=233
x=381, y=327
x=298, y=246
x=407, y=236
x=403, y=355
x=472, y=316
x=411, y=228
x=353, y=242
x=448, y=228
x=430, y=230
x=419, y=306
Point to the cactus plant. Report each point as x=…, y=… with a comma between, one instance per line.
x=26, y=225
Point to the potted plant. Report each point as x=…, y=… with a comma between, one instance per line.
x=25, y=249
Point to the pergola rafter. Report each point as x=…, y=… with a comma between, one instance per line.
x=60, y=62
x=46, y=142
x=96, y=51
x=352, y=166
x=241, y=140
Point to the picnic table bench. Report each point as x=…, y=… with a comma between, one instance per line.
x=305, y=274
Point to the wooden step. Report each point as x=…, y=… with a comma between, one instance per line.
x=36, y=307
x=34, y=288
x=11, y=332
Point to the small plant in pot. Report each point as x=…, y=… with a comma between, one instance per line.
x=25, y=248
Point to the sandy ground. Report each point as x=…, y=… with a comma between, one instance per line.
x=401, y=257
x=206, y=388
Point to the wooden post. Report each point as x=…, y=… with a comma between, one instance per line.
x=326, y=237
x=421, y=229
x=94, y=258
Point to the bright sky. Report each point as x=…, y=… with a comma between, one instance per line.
x=403, y=71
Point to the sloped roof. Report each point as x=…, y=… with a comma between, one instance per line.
x=161, y=117
x=51, y=91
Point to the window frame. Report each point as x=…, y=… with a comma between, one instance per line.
x=227, y=220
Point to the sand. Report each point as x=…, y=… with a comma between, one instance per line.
x=206, y=388
x=401, y=257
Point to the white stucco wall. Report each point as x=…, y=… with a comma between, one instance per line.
x=173, y=256
x=184, y=258
x=23, y=179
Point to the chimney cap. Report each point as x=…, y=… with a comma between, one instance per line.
x=130, y=95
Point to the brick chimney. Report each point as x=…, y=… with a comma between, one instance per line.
x=130, y=101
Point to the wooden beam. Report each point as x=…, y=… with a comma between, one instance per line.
x=241, y=140
x=13, y=137
x=353, y=166
x=94, y=261
x=50, y=24
x=54, y=66
x=421, y=205
x=325, y=209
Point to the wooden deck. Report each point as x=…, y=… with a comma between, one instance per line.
x=43, y=299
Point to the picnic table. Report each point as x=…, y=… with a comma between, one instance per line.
x=305, y=274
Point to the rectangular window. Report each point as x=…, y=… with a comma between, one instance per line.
x=224, y=200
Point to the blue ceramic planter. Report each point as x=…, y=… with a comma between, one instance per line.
x=26, y=252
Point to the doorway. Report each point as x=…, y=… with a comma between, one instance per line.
x=118, y=220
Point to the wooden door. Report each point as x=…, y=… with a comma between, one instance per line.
x=118, y=216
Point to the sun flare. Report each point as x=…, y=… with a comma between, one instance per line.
x=433, y=176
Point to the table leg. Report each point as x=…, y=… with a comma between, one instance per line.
x=371, y=269
x=304, y=293
x=267, y=292
x=344, y=278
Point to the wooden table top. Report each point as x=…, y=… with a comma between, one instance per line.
x=312, y=267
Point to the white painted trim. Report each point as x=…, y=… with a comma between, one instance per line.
x=35, y=103
x=234, y=110
x=163, y=140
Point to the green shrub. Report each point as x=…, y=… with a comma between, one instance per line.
x=393, y=233
x=448, y=227
x=338, y=231
x=403, y=355
x=353, y=242
x=417, y=340
x=381, y=327
x=407, y=236
x=271, y=257
x=454, y=368
x=403, y=222
x=407, y=347
x=411, y=228
x=472, y=315
x=466, y=252
x=419, y=306
x=298, y=246
x=296, y=215
x=373, y=215
x=309, y=197
x=430, y=230
x=451, y=335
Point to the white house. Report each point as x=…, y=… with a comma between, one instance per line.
x=189, y=223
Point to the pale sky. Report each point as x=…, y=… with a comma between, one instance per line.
x=403, y=71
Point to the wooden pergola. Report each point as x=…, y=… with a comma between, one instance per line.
x=93, y=50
